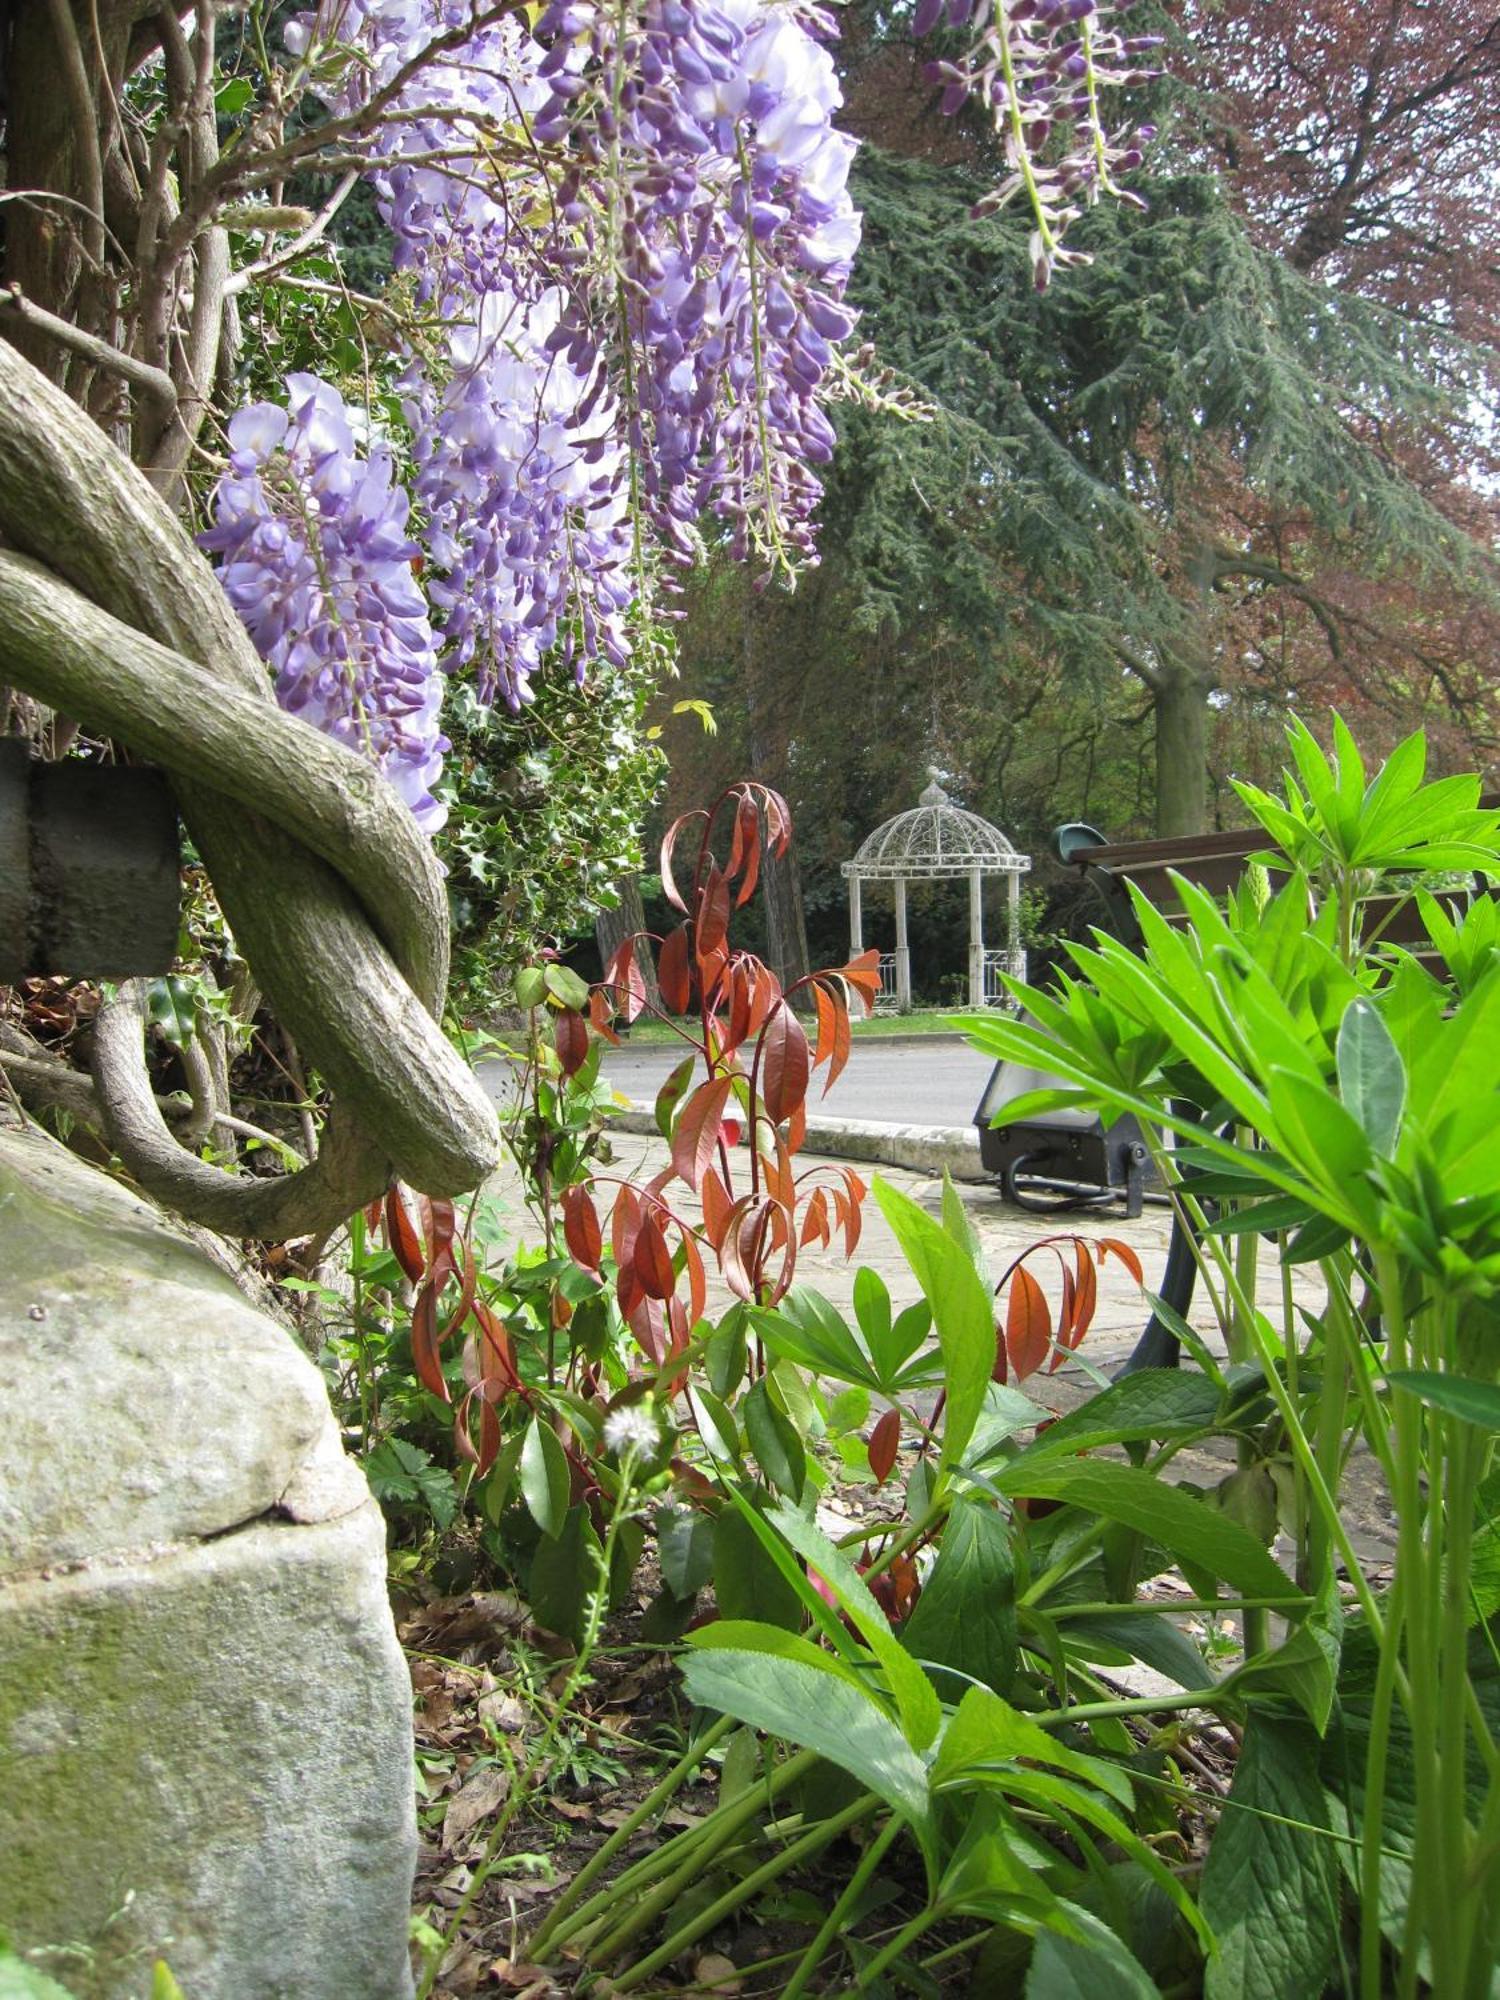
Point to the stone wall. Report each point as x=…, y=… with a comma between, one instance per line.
x=205, y=1745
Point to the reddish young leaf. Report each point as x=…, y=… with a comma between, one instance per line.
x=581, y=1231
x=673, y=972
x=717, y=1207
x=1065, y=1312
x=572, y=1037
x=712, y=966
x=776, y=1171
x=400, y=1233
x=692, y=1263
x=796, y=1128
x=741, y=988
x=884, y=1443
x=373, y=1212
x=711, y=926
x=697, y=1134
x=854, y=1223
x=1028, y=1324
x=624, y=976
x=1111, y=1246
x=1001, y=1370
x=653, y=1260
x=648, y=1324
x=669, y=841
x=823, y=1006
x=843, y=1042
x=1087, y=1292
x=766, y=993
x=749, y=819
x=778, y=821
x=815, y=1220
x=740, y=1253
x=439, y=1228
x=599, y=1016
x=863, y=974
x=498, y=1375
x=783, y=1063
x=424, y=1343
x=624, y=1224
x=468, y=1280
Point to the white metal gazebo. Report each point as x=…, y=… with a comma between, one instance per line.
x=938, y=840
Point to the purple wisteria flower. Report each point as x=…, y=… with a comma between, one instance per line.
x=317, y=561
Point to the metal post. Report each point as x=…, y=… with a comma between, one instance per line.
x=903, y=954
x=976, y=938
x=856, y=918
x=1013, y=913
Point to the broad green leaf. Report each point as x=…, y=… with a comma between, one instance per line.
x=1064, y=1799
x=1270, y=1887
x=564, y=1570
x=1477, y=1403
x=1005, y=1413
x=916, y=1702
x=565, y=986
x=774, y=1440
x=684, y=1549
x=20, y=1981
x=546, y=1481
x=1190, y=1530
x=1304, y=1668
x=1372, y=1079
x=985, y=1733
x=966, y=1615
x=808, y=1329
x=163, y=1985
x=747, y=1582
x=816, y=1709
x=1164, y=1403
x=742, y=1635
x=1153, y=1639
x=1323, y=1142
x=962, y=1312
x=531, y=986
x=716, y=1425
x=1095, y=1967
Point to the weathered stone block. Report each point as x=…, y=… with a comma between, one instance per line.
x=205, y=1746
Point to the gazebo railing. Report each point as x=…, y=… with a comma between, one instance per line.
x=885, y=999
x=999, y=964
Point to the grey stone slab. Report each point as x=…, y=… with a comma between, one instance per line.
x=205, y=1728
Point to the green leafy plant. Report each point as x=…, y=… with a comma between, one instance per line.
x=1331, y=1090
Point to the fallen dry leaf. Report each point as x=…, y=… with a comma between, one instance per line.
x=484, y=1791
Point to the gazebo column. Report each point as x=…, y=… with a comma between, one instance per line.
x=1013, y=916
x=903, y=954
x=856, y=918
x=976, y=938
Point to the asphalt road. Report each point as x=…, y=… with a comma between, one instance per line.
x=935, y=1081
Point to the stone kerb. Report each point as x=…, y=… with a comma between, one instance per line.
x=205, y=1741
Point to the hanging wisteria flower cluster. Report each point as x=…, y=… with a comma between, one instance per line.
x=629, y=231
x=318, y=564
x=1037, y=66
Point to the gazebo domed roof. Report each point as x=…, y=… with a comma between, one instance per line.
x=934, y=839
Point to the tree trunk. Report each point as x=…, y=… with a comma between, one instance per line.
x=1181, y=705
x=612, y=927
x=780, y=876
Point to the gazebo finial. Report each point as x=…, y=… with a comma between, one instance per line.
x=932, y=793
